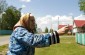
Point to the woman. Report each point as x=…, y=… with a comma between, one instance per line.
x=23, y=40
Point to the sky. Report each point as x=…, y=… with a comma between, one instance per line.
x=47, y=12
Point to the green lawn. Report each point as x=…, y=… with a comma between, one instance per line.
x=66, y=47
x=3, y=49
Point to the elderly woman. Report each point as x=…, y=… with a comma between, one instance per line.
x=23, y=40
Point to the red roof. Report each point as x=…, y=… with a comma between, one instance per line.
x=79, y=23
x=60, y=26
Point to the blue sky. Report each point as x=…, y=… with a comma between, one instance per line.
x=47, y=7
x=47, y=12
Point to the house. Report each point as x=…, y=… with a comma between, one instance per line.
x=79, y=26
x=70, y=28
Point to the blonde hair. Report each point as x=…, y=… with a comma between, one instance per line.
x=24, y=21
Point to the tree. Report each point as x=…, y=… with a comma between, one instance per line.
x=51, y=30
x=46, y=30
x=3, y=6
x=35, y=30
x=82, y=5
x=83, y=28
x=10, y=18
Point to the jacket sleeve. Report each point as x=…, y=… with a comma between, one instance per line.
x=35, y=40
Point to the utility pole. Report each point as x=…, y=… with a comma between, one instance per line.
x=58, y=21
x=51, y=30
x=2, y=19
x=72, y=24
x=51, y=23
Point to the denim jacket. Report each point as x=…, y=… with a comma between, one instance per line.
x=23, y=42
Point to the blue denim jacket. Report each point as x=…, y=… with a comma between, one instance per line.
x=23, y=42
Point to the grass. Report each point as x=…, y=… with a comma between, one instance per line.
x=3, y=49
x=66, y=47
x=4, y=35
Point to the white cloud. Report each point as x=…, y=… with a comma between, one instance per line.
x=25, y=0
x=81, y=17
x=47, y=21
x=23, y=6
x=44, y=22
x=22, y=13
x=65, y=20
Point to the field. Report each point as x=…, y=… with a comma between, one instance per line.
x=66, y=47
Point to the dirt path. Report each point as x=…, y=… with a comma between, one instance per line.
x=4, y=39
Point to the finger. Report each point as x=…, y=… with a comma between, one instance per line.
x=66, y=26
x=63, y=31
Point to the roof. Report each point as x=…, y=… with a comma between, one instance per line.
x=60, y=26
x=79, y=23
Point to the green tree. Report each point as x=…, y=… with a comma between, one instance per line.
x=35, y=30
x=46, y=30
x=10, y=18
x=51, y=30
x=82, y=5
x=3, y=6
x=83, y=28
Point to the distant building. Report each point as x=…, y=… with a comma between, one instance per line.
x=79, y=26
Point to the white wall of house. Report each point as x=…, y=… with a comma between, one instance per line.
x=74, y=28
